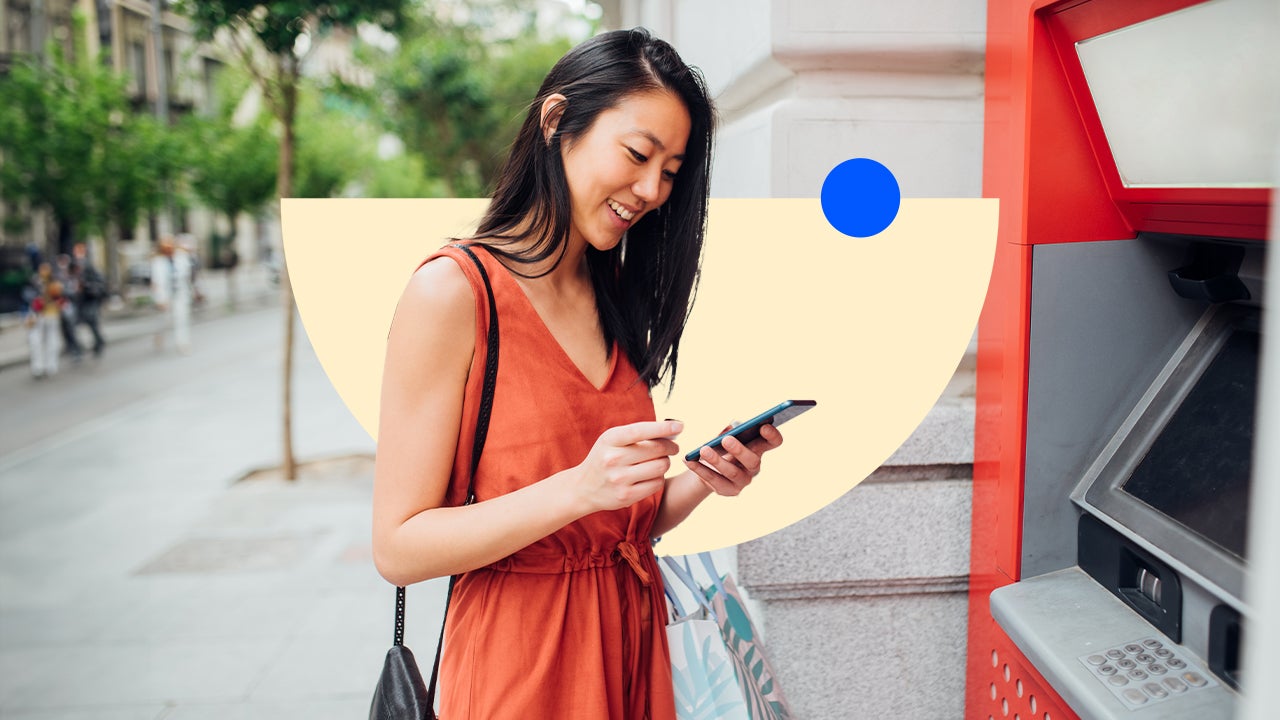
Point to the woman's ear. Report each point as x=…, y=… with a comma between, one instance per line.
x=552, y=109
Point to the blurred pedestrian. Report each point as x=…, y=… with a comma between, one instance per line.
x=171, y=273
x=44, y=322
x=63, y=274
x=89, y=293
x=187, y=243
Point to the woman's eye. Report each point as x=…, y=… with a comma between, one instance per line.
x=668, y=174
x=637, y=156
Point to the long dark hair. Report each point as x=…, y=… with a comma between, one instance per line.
x=644, y=286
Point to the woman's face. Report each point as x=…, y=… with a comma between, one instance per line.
x=624, y=165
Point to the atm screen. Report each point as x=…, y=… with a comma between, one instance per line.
x=1197, y=469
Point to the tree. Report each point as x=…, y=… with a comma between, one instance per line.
x=140, y=156
x=334, y=145
x=72, y=147
x=457, y=98
x=53, y=114
x=232, y=169
x=271, y=38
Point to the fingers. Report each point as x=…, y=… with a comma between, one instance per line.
x=637, y=432
x=730, y=471
x=770, y=438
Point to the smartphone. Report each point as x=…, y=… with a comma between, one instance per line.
x=750, y=430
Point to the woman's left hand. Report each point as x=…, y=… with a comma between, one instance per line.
x=729, y=471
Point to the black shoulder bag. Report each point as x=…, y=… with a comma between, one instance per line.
x=401, y=693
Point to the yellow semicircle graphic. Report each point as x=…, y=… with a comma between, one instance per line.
x=788, y=308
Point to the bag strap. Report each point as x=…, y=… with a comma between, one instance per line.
x=709, y=565
x=477, y=447
x=685, y=576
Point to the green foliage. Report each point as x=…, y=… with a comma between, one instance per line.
x=72, y=146
x=232, y=169
x=402, y=176
x=277, y=24
x=334, y=146
x=457, y=98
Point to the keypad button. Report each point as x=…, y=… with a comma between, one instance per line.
x=1126, y=664
x=1107, y=670
x=1176, y=664
x=1097, y=660
x=1194, y=679
x=1145, y=659
x=1152, y=643
x=1138, y=674
x=1133, y=648
x=1157, y=669
x=1174, y=685
x=1165, y=653
x=1135, y=696
x=1115, y=654
x=1155, y=691
x=1118, y=680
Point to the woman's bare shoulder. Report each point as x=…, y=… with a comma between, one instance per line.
x=440, y=280
x=437, y=304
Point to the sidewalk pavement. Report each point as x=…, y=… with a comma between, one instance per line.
x=123, y=320
x=147, y=572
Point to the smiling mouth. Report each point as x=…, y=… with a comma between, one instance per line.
x=620, y=211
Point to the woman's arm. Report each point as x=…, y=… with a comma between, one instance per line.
x=729, y=473
x=429, y=353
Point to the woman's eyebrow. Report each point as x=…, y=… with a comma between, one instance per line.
x=654, y=139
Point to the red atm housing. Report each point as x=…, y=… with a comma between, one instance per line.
x=1048, y=160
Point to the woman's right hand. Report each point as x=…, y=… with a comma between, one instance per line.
x=627, y=464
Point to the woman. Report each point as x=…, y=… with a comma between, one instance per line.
x=591, y=243
x=44, y=322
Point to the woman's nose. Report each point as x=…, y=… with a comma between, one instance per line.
x=648, y=186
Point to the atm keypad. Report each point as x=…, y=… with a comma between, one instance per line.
x=1146, y=671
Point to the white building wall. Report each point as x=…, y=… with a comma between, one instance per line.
x=863, y=604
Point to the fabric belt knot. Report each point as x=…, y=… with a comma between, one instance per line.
x=629, y=552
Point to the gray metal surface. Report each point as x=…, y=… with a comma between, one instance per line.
x=1057, y=617
x=1103, y=322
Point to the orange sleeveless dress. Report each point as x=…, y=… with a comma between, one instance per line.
x=574, y=625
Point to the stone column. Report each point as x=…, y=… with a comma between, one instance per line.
x=863, y=604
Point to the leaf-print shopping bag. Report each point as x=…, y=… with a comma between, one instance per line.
x=760, y=689
x=722, y=605
x=702, y=672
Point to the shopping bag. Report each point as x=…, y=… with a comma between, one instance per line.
x=722, y=602
x=703, y=678
x=702, y=672
x=755, y=675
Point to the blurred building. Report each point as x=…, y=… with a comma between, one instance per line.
x=864, y=602
x=170, y=78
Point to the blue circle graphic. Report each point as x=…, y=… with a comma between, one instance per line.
x=860, y=197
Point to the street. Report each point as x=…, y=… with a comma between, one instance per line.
x=140, y=580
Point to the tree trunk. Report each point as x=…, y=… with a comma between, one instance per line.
x=288, y=108
x=230, y=269
x=111, y=264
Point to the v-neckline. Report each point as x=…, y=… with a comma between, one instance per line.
x=551, y=337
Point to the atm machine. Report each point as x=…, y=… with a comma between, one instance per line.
x=1130, y=145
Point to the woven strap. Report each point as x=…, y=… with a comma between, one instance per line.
x=477, y=447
